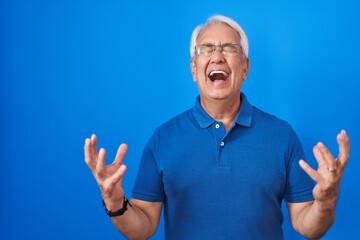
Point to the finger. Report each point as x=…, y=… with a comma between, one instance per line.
x=100, y=165
x=314, y=175
x=120, y=154
x=119, y=174
x=89, y=159
x=319, y=156
x=344, y=147
x=326, y=154
x=93, y=144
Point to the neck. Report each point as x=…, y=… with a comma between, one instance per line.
x=224, y=111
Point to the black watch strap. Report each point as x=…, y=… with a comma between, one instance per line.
x=118, y=212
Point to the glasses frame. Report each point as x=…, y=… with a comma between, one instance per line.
x=215, y=47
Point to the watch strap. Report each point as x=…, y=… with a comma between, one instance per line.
x=118, y=212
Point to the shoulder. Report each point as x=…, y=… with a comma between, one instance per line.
x=262, y=117
x=174, y=126
x=273, y=127
x=177, y=122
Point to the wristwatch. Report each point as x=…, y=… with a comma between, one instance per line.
x=118, y=212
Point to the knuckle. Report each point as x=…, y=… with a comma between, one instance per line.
x=113, y=182
x=97, y=171
x=327, y=185
x=105, y=188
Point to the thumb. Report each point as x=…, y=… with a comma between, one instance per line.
x=120, y=154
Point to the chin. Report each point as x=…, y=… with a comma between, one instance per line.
x=219, y=97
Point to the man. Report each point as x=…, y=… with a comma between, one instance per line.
x=221, y=169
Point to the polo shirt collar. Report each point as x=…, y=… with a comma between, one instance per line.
x=243, y=117
x=200, y=115
x=245, y=114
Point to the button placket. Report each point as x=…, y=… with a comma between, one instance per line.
x=223, y=165
x=219, y=133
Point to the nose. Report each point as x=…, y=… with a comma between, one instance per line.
x=217, y=56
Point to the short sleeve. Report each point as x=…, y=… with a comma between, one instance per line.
x=299, y=185
x=148, y=184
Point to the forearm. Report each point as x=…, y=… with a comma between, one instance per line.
x=315, y=220
x=134, y=223
x=140, y=220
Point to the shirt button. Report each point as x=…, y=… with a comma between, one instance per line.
x=222, y=144
x=217, y=125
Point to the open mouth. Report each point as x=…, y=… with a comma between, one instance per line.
x=218, y=75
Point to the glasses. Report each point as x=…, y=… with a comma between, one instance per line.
x=227, y=49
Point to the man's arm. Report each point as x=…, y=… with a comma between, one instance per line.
x=140, y=221
x=312, y=219
x=309, y=220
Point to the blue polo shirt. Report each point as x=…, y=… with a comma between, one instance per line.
x=223, y=185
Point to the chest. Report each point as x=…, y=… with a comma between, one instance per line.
x=233, y=164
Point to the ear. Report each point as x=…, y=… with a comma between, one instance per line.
x=246, y=67
x=193, y=69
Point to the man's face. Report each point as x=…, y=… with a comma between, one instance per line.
x=219, y=76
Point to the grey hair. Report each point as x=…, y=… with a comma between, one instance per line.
x=220, y=19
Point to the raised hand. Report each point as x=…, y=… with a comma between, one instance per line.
x=330, y=170
x=109, y=178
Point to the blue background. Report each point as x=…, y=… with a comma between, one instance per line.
x=120, y=68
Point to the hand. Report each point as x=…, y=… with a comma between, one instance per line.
x=109, y=178
x=329, y=172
